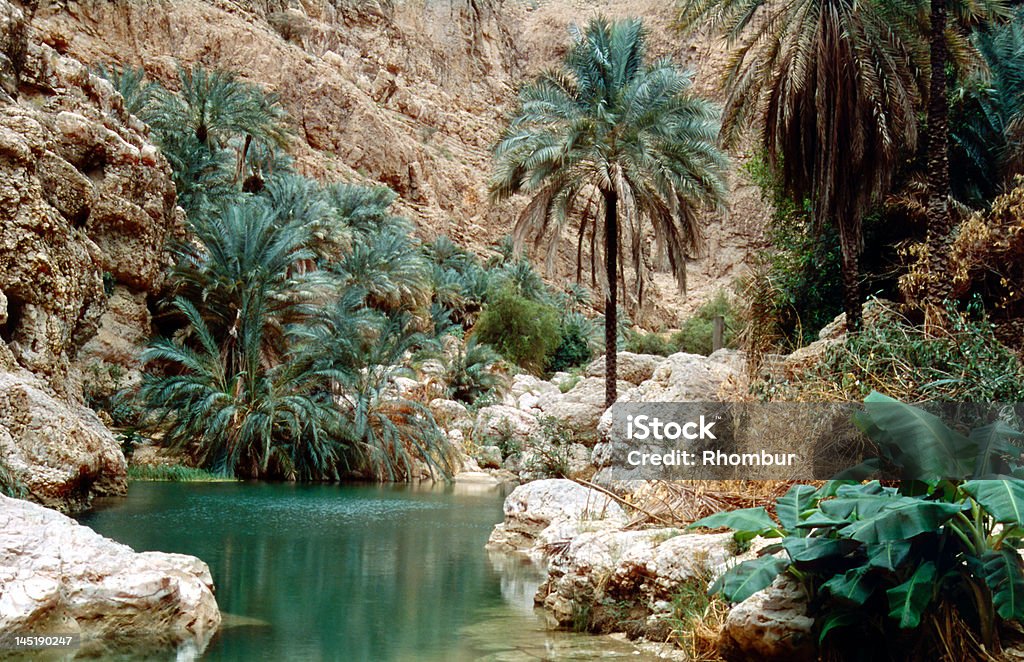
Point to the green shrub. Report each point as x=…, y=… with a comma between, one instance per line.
x=177, y=473
x=802, y=270
x=695, y=336
x=897, y=357
x=525, y=332
x=639, y=342
x=469, y=372
x=903, y=570
x=576, y=344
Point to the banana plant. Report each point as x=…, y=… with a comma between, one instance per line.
x=891, y=555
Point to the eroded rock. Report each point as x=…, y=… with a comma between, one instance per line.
x=57, y=576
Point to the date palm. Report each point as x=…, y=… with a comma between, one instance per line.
x=831, y=89
x=610, y=131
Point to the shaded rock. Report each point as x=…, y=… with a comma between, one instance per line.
x=58, y=451
x=498, y=421
x=580, y=408
x=630, y=367
x=489, y=457
x=61, y=577
x=771, y=625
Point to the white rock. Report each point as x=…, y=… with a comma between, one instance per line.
x=771, y=625
x=56, y=572
x=533, y=507
x=497, y=420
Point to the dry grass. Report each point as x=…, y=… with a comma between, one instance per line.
x=682, y=502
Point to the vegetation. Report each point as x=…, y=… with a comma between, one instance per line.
x=526, y=332
x=858, y=60
x=899, y=358
x=919, y=568
x=177, y=473
x=609, y=131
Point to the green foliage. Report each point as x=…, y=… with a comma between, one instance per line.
x=696, y=334
x=577, y=337
x=170, y=472
x=898, y=358
x=470, y=371
x=640, y=342
x=881, y=560
x=131, y=84
x=986, y=119
x=801, y=275
x=524, y=331
x=9, y=483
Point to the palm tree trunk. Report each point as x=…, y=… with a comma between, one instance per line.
x=850, y=258
x=939, y=221
x=611, y=322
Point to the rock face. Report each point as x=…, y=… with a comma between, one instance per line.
x=87, y=206
x=549, y=506
x=409, y=94
x=771, y=625
x=57, y=451
x=58, y=576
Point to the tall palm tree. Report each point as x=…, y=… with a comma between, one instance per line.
x=940, y=221
x=610, y=131
x=831, y=87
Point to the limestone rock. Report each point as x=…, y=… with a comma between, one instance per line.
x=688, y=378
x=580, y=407
x=771, y=625
x=630, y=367
x=58, y=451
x=536, y=506
x=497, y=421
x=61, y=577
x=488, y=457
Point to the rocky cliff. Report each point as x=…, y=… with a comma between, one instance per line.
x=87, y=206
x=407, y=93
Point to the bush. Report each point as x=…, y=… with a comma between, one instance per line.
x=576, y=344
x=469, y=371
x=639, y=342
x=898, y=358
x=525, y=332
x=695, y=337
x=913, y=569
x=802, y=269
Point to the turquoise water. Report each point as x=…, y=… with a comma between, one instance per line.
x=326, y=572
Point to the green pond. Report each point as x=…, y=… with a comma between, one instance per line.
x=327, y=572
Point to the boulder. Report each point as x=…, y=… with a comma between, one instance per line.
x=525, y=383
x=447, y=410
x=686, y=378
x=644, y=566
x=61, y=577
x=630, y=367
x=488, y=457
x=580, y=407
x=771, y=625
x=58, y=452
x=498, y=421
x=542, y=504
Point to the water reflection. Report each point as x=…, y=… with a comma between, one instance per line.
x=381, y=573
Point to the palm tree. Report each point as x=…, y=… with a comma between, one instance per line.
x=131, y=84
x=216, y=107
x=940, y=220
x=831, y=87
x=610, y=130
